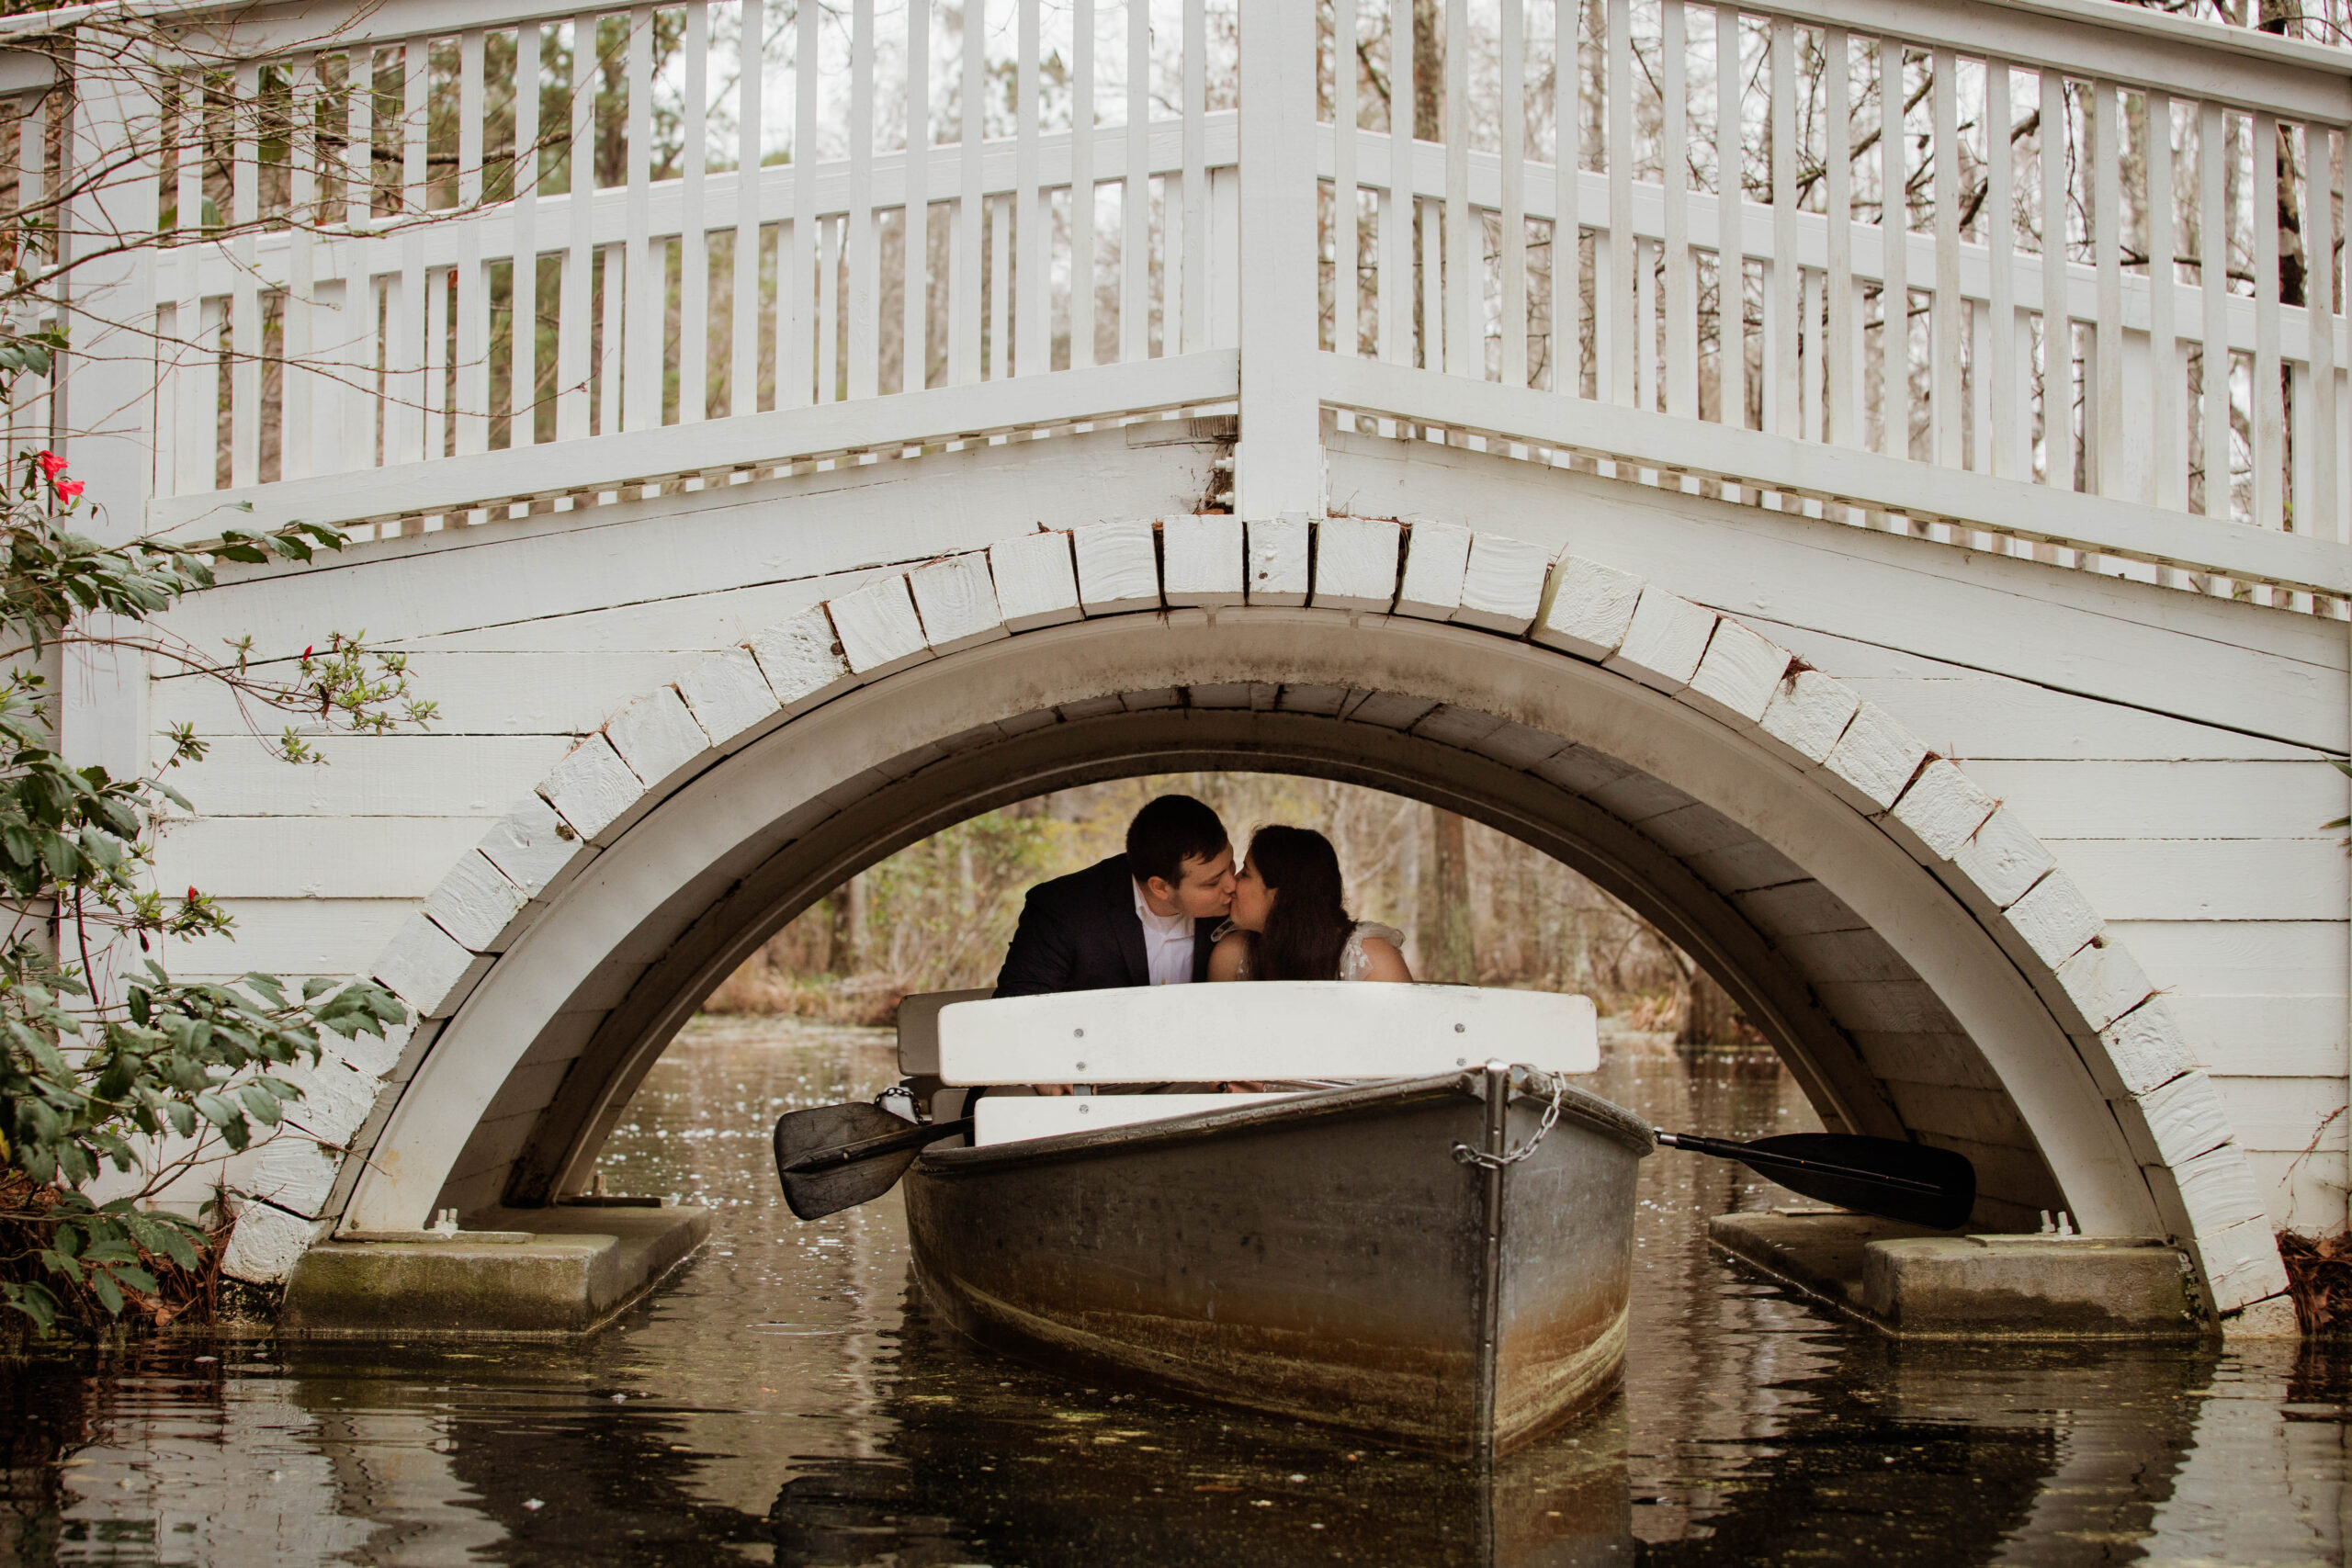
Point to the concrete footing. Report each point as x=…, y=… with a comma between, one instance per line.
x=1919, y=1283
x=534, y=1272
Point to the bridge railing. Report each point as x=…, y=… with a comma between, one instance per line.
x=725, y=257
x=2114, y=268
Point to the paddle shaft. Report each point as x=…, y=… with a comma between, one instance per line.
x=913, y=1137
x=1765, y=1159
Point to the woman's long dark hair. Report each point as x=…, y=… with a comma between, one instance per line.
x=1307, y=928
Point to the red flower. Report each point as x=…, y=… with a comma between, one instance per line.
x=68, y=490
x=52, y=464
x=306, y=654
x=193, y=895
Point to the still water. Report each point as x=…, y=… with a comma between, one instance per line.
x=781, y=1401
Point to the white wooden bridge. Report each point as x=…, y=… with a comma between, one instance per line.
x=1960, y=694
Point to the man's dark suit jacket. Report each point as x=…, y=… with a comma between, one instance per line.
x=1079, y=932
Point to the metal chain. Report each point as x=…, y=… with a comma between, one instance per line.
x=1464, y=1155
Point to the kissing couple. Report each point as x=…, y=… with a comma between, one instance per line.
x=1172, y=910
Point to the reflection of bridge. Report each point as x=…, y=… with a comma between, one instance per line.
x=736, y=606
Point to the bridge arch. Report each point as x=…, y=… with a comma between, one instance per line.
x=1907, y=946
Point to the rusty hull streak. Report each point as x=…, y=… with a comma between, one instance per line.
x=1318, y=1257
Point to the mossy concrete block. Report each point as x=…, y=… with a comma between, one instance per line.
x=1820, y=1254
x=574, y=1271
x=1915, y=1282
x=2087, y=1287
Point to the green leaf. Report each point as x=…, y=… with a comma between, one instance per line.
x=132, y=1275
x=109, y=1294
x=34, y=1301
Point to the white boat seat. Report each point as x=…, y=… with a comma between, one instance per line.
x=919, y=1028
x=1005, y=1119
x=1287, y=1030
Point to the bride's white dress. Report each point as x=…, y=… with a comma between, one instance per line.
x=1355, y=963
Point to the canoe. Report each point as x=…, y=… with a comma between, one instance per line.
x=1362, y=1258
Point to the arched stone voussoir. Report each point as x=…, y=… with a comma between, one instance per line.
x=1587, y=611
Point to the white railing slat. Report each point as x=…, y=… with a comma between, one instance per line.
x=914, y=353
x=1031, y=212
x=1081, y=187
x=2057, y=323
x=863, y=235
x=694, y=238
x=1681, y=301
x=523, y=335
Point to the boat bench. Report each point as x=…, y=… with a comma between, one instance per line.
x=1311, y=1031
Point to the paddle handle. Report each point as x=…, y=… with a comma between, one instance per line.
x=1766, y=1160
x=887, y=1144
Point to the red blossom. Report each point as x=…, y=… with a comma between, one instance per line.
x=52, y=464
x=306, y=654
x=193, y=895
x=68, y=490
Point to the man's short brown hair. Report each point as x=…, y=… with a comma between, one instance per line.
x=1168, y=831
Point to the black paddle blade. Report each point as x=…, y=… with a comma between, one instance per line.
x=814, y=1194
x=1873, y=1176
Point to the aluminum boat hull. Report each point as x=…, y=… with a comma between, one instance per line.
x=1327, y=1257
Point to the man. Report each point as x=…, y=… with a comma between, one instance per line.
x=1141, y=918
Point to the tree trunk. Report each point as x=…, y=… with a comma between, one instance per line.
x=1429, y=70
x=1444, y=936
x=1713, y=1018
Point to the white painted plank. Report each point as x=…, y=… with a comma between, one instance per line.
x=2103, y=982
x=1502, y=583
x=657, y=737
x=372, y=775
x=2102, y=799
x=1664, y=640
x=2225, y=957
x=534, y=849
x=312, y=857
x=592, y=789
x=956, y=600
x=1205, y=560
x=427, y=969
x=731, y=699
x=1036, y=581
x=1739, y=675
x=1586, y=608
x=1118, y=567
x=1872, y=760
x=1312, y=1029
x=2262, y=1036
x=2055, y=920
x=2208, y=879
x=1356, y=562
x=879, y=631
x=1437, y=556
x=1005, y=1119
x=1939, y=812
x=1808, y=716
x=476, y=904
x=1999, y=861
x=1279, y=550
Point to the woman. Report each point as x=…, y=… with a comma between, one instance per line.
x=1288, y=923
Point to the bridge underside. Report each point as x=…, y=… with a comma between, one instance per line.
x=1875, y=1049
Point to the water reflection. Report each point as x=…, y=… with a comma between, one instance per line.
x=990, y=1462
x=784, y=1400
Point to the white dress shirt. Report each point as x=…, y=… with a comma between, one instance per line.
x=1167, y=943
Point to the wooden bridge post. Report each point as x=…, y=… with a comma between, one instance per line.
x=1278, y=467
x=103, y=419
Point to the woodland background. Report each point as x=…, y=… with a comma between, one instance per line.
x=1475, y=906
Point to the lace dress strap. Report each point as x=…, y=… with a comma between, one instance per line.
x=1355, y=963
